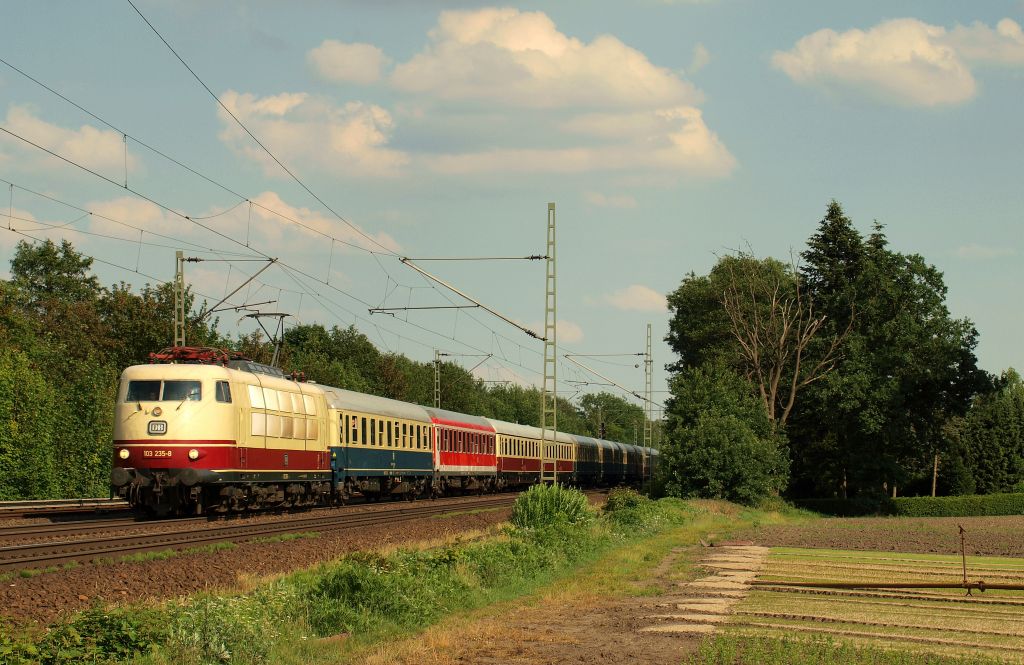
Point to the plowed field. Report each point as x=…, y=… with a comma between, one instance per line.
x=993, y=536
x=939, y=621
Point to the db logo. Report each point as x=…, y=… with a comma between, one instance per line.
x=158, y=427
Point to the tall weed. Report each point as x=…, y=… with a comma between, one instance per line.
x=545, y=505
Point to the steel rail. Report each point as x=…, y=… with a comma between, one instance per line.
x=48, y=507
x=45, y=554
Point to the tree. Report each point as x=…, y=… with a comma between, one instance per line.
x=907, y=365
x=991, y=437
x=720, y=442
x=621, y=419
x=46, y=272
x=775, y=323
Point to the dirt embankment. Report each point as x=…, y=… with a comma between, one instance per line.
x=45, y=597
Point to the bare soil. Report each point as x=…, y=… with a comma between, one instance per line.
x=990, y=536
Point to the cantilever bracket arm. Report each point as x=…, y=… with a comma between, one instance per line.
x=593, y=371
x=407, y=261
x=223, y=300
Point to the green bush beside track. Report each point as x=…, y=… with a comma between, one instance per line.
x=976, y=505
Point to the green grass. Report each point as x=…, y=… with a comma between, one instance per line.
x=732, y=649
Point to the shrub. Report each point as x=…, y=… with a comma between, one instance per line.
x=957, y=506
x=93, y=636
x=624, y=498
x=547, y=505
x=855, y=507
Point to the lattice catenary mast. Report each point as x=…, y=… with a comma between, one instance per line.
x=648, y=392
x=179, y=299
x=549, y=404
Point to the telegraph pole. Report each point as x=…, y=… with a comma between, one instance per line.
x=549, y=402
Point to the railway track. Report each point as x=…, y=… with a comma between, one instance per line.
x=36, y=555
x=60, y=506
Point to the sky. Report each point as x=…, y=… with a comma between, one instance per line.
x=666, y=133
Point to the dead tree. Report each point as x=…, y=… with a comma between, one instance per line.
x=774, y=323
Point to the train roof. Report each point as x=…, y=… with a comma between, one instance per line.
x=586, y=440
x=478, y=422
x=514, y=429
x=349, y=400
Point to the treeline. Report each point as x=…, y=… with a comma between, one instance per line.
x=837, y=373
x=64, y=339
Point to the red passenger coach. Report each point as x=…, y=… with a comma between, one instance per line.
x=464, y=451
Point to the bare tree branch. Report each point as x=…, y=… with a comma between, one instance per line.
x=774, y=323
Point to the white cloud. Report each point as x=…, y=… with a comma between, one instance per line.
x=351, y=139
x=112, y=217
x=982, y=252
x=674, y=139
x=905, y=61
x=701, y=58
x=317, y=221
x=610, y=201
x=347, y=63
x=568, y=332
x=1003, y=45
x=264, y=229
x=902, y=60
x=31, y=228
x=520, y=59
x=637, y=297
x=532, y=100
x=98, y=149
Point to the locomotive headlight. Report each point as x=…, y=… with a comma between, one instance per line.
x=157, y=411
x=193, y=454
x=123, y=453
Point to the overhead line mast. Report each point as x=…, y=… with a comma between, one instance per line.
x=549, y=396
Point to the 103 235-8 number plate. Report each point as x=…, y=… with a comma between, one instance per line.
x=157, y=453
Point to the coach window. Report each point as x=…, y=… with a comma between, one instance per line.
x=380, y=433
x=373, y=432
x=398, y=436
x=223, y=392
x=386, y=426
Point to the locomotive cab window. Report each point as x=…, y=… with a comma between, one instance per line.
x=224, y=392
x=172, y=391
x=182, y=390
x=143, y=391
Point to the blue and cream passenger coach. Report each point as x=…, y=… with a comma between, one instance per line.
x=383, y=446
